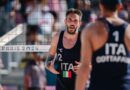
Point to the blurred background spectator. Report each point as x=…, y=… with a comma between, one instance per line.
x=6, y=22
x=85, y=7
x=127, y=8
x=34, y=35
x=34, y=74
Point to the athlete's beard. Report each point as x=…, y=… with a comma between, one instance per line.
x=70, y=32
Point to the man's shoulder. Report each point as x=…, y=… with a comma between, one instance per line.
x=57, y=34
x=128, y=31
x=89, y=27
x=54, y=41
x=92, y=27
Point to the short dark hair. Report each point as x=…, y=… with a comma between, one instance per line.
x=75, y=11
x=110, y=5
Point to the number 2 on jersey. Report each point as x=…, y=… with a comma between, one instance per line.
x=60, y=57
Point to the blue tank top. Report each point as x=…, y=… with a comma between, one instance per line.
x=66, y=61
x=111, y=63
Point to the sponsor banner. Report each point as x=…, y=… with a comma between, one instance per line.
x=24, y=48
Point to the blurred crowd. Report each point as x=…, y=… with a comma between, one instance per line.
x=48, y=15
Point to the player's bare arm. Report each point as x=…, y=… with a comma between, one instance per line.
x=51, y=55
x=86, y=57
x=127, y=37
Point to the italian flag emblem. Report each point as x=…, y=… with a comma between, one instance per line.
x=67, y=74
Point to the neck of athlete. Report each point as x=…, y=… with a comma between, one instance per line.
x=70, y=36
x=113, y=18
x=112, y=15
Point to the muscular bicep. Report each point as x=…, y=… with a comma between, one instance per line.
x=86, y=49
x=85, y=67
x=54, y=42
x=52, y=50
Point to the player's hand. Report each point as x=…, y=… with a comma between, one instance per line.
x=51, y=68
x=76, y=67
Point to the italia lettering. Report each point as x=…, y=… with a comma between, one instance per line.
x=64, y=65
x=114, y=49
x=71, y=67
x=121, y=50
x=67, y=66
